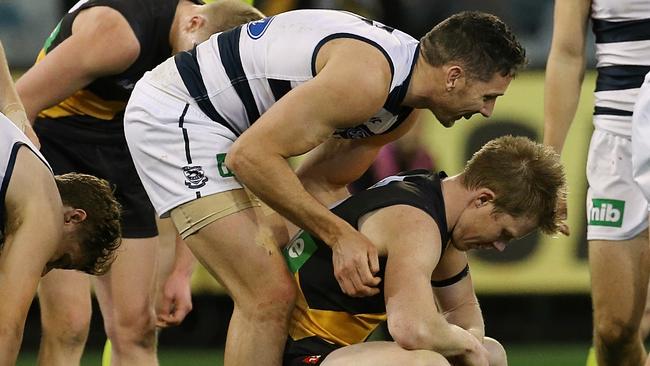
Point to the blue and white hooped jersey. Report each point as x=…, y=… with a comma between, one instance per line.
x=11, y=138
x=237, y=75
x=622, y=30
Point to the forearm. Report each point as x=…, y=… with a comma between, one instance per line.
x=469, y=317
x=184, y=261
x=281, y=190
x=10, y=104
x=564, y=75
x=423, y=328
x=10, y=339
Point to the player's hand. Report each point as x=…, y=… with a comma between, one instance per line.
x=16, y=114
x=355, y=264
x=476, y=354
x=176, y=300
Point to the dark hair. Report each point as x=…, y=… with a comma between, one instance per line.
x=99, y=234
x=526, y=177
x=480, y=42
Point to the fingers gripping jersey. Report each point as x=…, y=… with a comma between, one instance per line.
x=622, y=29
x=11, y=139
x=322, y=309
x=237, y=75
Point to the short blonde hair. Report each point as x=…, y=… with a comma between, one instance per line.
x=526, y=177
x=225, y=14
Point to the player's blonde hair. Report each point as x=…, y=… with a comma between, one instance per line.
x=526, y=177
x=222, y=15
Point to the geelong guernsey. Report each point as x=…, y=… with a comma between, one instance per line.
x=11, y=139
x=622, y=29
x=237, y=75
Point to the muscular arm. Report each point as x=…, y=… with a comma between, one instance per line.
x=34, y=229
x=411, y=240
x=102, y=43
x=10, y=104
x=297, y=123
x=564, y=69
x=458, y=301
x=334, y=164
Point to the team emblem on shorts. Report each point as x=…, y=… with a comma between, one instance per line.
x=194, y=176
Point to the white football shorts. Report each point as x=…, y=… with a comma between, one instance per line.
x=178, y=151
x=616, y=207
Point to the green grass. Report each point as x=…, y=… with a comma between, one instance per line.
x=519, y=355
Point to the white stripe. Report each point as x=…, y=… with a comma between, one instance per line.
x=617, y=99
x=623, y=53
x=620, y=10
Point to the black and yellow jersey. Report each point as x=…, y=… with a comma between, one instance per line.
x=105, y=98
x=322, y=310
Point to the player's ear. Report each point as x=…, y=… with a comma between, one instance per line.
x=74, y=215
x=454, y=73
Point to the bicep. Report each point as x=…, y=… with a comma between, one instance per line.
x=80, y=59
x=307, y=115
x=411, y=240
x=452, y=268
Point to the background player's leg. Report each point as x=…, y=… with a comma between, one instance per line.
x=126, y=298
x=619, y=284
x=64, y=298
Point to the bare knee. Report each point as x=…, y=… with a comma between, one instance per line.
x=496, y=351
x=273, y=303
x=612, y=331
x=132, y=330
x=68, y=329
x=427, y=358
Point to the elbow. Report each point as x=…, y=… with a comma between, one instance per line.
x=238, y=159
x=410, y=334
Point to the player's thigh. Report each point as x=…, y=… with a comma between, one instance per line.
x=380, y=354
x=64, y=299
x=242, y=248
x=127, y=290
x=619, y=278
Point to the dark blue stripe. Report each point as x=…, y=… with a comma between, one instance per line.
x=5, y=183
x=181, y=120
x=611, y=112
x=279, y=87
x=188, y=68
x=631, y=30
x=231, y=60
x=621, y=77
x=353, y=36
x=394, y=101
x=401, y=117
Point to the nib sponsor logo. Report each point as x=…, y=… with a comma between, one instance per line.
x=605, y=212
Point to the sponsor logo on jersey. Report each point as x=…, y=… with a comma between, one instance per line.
x=194, y=176
x=257, y=28
x=299, y=250
x=606, y=212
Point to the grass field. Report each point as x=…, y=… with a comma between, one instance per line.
x=520, y=355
